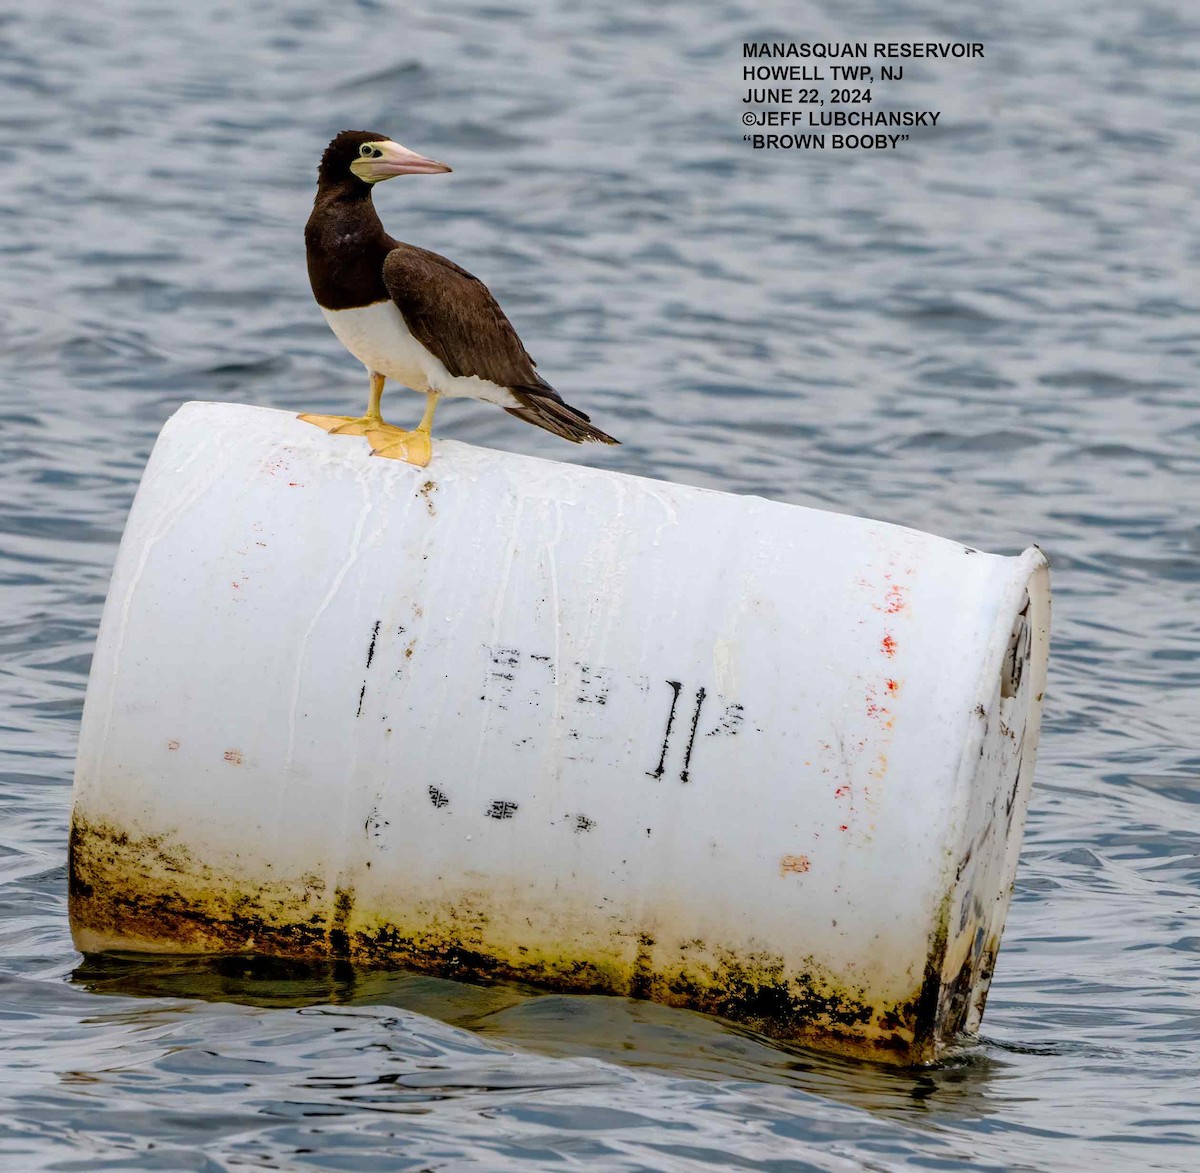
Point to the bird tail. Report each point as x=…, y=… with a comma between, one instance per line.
x=544, y=407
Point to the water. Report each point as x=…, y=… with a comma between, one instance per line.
x=991, y=334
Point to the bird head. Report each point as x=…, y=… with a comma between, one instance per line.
x=371, y=158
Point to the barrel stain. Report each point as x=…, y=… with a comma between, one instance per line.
x=502, y=808
x=583, y=823
x=641, y=981
x=925, y=1008
x=438, y=799
x=149, y=893
x=343, y=906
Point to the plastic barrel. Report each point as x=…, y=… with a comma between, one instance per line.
x=508, y=718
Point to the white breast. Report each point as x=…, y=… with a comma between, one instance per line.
x=378, y=336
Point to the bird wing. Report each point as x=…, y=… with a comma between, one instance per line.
x=454, y=316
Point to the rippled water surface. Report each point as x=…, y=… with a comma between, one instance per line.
x=992, y=333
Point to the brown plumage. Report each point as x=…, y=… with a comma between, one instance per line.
x=454, y=315
x=354, y=263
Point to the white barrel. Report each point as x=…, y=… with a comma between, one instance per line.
x=504, y=717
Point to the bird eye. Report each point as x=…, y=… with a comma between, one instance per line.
x=365, y=150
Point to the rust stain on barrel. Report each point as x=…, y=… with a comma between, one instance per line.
x=793, y=864
x=148, y=893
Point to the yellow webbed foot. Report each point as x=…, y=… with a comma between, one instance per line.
x=342, y=425
x=397, y=444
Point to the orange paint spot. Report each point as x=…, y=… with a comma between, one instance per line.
x=842, y=790
x=895, y=599
x=888, y=644
x=172, y=744
x=794, y=864
x=233, y=757
x=893, y=685
x=844, y=827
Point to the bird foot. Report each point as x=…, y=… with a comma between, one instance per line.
x=397, y=444
x=343, y=425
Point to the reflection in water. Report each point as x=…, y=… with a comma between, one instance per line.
x=625, y=1031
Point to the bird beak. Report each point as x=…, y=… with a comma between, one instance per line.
x=394, y=160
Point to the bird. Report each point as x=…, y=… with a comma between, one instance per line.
x=411, y=315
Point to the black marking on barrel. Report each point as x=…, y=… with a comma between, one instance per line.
x=498, y=684
x=502, y=808
x=374, y=637
x=375, y=823
x=362, y=692
x=658, y=772
x=1016, y=786
x=438, y=798
x=593, y=685
x=687, y=756
x=549, y=663
x=729, y=723
x=583, y=823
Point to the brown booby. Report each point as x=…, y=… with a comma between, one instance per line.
x=410, y=315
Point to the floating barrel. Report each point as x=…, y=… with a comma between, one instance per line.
x=508, y=718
